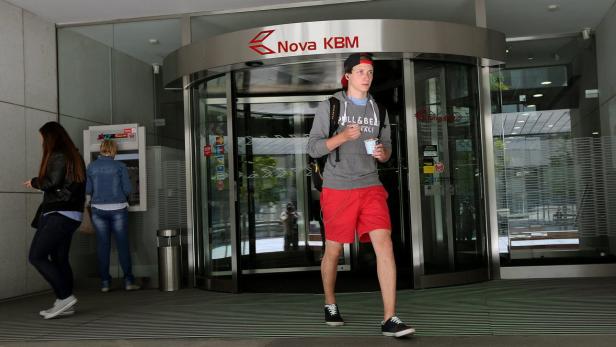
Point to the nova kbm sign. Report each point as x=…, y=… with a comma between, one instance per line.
x=286, y=46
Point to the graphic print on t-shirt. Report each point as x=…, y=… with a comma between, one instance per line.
x=364, y=116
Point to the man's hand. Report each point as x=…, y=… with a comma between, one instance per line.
x=28, y=184
x=351, y=132
x=380, y=153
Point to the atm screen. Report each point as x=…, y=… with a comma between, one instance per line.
x=133, y=175
x=131, y=159
x=127, y=156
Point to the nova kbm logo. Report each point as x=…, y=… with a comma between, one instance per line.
x=258, y=46
x=332, y=42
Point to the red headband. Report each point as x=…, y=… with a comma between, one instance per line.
x=344, y=81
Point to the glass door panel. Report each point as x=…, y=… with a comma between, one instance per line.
x=214, y=203
x=450, y=168
x=280, y=219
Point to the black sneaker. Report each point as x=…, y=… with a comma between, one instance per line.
x=396, y=328
x=332, y=315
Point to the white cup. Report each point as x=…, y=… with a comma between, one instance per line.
x=370, y=144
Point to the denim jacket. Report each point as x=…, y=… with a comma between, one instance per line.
x=107, y=181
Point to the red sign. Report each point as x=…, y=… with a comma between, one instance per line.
x=424, y=115
x=127, y=132
x=439, y=167
x=332, y=42
x=207, y=151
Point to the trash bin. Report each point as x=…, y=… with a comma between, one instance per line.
x=169, y=260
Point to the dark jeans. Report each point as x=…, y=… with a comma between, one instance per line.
x=49, y=252
x=106, y=223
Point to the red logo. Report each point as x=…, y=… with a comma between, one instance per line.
x=258, y=46
x=286, y=46
x=425, y=115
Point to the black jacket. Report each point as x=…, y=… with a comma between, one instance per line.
x=60, y=192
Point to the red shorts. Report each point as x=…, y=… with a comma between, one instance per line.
x=361, y=209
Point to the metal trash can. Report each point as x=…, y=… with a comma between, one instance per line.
x=169, y=260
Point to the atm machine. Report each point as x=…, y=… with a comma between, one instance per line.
x=130, y=139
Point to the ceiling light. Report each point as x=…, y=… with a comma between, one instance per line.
x=254, y=63
x=521, y=121
x=514, y=133
x=553, y=7
x=545, y=83
x=525, y=114
x=550, y=125
x=517, y=127
x=531, y=58
x=595, y=133
x=529, y=106
x=507, y=50
x=153, y=41
x=537, y=95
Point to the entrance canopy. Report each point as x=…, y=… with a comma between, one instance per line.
x=290, y=43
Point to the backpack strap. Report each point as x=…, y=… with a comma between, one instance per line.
x=334, y=115
x=382, y=114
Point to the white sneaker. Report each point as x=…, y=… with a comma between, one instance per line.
x=60, y=306
x=69, y=312
x=132, y=286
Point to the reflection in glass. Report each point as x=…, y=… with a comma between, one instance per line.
x=553, y=172
x=214, y=163
x=290, y=79
x=279, y=211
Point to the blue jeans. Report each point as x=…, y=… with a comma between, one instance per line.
x=106, y=223
x=49, y=252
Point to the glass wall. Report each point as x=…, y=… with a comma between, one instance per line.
x=554, y=160
x=110, y=74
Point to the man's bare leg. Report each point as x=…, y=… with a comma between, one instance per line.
x=329, y=269
x=386, y=269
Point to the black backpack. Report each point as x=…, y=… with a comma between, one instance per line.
x=317, y=165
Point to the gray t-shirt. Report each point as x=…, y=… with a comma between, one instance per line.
x=356, y=168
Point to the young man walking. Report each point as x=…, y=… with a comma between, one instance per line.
x=353, y=199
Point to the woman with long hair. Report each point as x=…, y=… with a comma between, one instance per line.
x=62, y=178
x=109, y=186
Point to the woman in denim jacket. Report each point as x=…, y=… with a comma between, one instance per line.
x=109, y=186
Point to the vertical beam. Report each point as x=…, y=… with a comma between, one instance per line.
x=413, y=171
x=189, y=163
x=232, y=160
x=489, y=171
x=446, y=186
